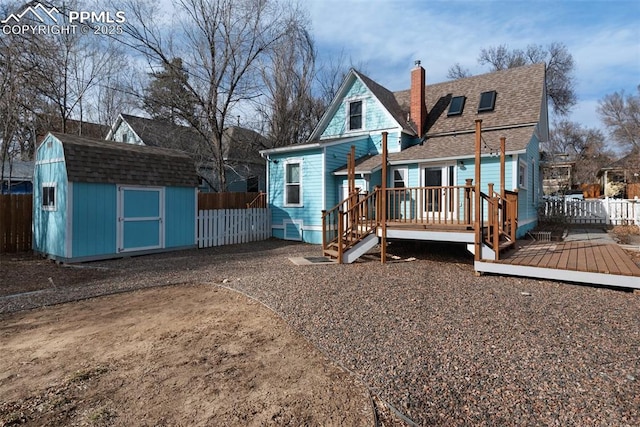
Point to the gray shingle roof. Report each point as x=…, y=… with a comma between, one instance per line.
x=518, y=100
x=238, y=144
x=450, y=147
x=99, y=161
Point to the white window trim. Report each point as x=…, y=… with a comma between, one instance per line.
x=522, y=183
x=348, y=116
x=55, y=197
x=292, y=205
x=405, y=176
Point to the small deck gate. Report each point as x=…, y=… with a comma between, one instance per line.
x=220, y=227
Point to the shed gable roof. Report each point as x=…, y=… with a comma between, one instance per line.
x=99, y=161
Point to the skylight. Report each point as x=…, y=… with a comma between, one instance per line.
x=487, y=101
x=456, y=106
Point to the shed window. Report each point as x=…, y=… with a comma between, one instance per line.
x=487, y=101
x=456, y=106
x=49, y=197
x=355, y=115
x=293, y=184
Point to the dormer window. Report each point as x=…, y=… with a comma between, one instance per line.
x=125, y=137
x=456, y=106
x=355, y=115
x=487, y=101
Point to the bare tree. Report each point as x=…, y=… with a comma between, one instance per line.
x=457, y=71
x=221, y=43
x=621, y=116
x=288, y=77
x=559, y=65
x=586, y=147
x=70, y=68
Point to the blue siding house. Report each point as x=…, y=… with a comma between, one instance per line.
x=95, y=200
x=432, y=142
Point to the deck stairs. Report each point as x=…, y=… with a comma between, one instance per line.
x=352, y=228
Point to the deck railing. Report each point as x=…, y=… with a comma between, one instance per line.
x=446, y=207
x=437, y=206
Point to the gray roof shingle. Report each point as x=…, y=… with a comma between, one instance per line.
x=519, y=97
x=98, y=161
x=238, y=144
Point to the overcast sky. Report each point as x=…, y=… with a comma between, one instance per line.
x=385, y=37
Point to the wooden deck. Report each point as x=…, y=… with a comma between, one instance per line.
x=576, y=261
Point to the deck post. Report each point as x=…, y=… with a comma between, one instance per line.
x=383, y=201
x=324, y=229
x=467, y=200
x=477, y=200
x=340, y=235
x=503, y=143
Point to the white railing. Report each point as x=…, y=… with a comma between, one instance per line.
x=220, y=227
x=594, y=211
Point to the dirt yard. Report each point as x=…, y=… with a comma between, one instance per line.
x=178, y=355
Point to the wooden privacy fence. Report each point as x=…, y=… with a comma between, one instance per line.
x=598, y=211
x=220, y=227
x=15, y=222
x=207, y=201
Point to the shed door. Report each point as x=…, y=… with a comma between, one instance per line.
x=140, y=218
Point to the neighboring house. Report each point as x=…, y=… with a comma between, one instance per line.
x=619, y=175
x=431, y=149
x=245, y=168
x=557, y=174
x=94, y=199
x=17, y=177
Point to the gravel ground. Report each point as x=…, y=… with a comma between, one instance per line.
x=439, y=344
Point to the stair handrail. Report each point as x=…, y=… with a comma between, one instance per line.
x=260, y=201
x=501, y=219
x=351, y=225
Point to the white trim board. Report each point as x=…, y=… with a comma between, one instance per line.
x=556, y=274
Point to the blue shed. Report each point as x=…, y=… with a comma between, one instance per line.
x=96, y=199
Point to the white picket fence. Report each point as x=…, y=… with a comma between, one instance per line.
x=597, y=211
x=220, y=227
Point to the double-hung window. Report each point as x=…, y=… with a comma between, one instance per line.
x=293, y=184
x=522, y=174
x=355, y=115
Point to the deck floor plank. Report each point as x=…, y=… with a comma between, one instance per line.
x=550, y=259
x=629, y=267
x=598, y=259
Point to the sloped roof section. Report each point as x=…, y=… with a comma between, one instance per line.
x=164, y=134
x=389, y=101
x=98, y=161
x=519, y=97
x=243, y=145
x=630, y=162
x=238, y=144
x=463, y=145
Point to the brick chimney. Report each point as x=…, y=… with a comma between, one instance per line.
x=418, y=108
